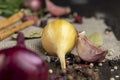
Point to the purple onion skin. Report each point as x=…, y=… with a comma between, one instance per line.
x=20, y=63
x=78, y=19
x=34, y=5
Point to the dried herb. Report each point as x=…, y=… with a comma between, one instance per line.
x=30, y=35
x=9, y=7
x=96, y=39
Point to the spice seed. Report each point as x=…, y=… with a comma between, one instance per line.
x=112, y=70
x=112, y=78
x=70, y=77
x=91, y=65
x=50, y=71
x=115, y=67
x=100, y=64
x=117, y=76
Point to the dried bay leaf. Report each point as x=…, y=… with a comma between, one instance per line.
x=30, y=35
x=96, y=39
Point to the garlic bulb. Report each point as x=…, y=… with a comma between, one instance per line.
x=87, y=51
x=59, y=38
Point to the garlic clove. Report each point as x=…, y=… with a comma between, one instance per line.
x=87, y=51
x=57, y=10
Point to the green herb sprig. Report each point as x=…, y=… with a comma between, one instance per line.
x=9, y=7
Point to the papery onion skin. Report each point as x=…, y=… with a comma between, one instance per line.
x=20, y=63
x=87, y=51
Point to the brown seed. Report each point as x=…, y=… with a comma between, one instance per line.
x=90, y=73
x=67, y=62
x=63, y=72
x=107, y=31
x=77, y=59
x=76, y=66
x=96, y=70
x=69, y=69
x=70, y=77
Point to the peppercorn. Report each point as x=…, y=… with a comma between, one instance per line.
x=107, y=30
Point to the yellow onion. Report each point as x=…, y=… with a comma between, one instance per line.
x=59, y=38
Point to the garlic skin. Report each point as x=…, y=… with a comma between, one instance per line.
x=87, y=51
x=59, y=38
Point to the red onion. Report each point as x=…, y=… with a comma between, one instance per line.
x=34, y=5
x=77, y=18
x=87, y=51
x=20, y=63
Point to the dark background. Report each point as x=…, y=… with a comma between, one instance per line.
x=89, y=8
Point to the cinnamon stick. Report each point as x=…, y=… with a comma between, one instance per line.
x=8, y=31
x=16, y=17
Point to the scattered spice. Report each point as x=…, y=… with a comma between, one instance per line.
x=70, y=77
x=117, y=76
x=103, y=60
x=77, y=18
x=112, y=70
x=100, y=64
x=107, y=30
x=96, y=70
x=112, y=78
x=50, y=71
x=91, y=65
x=43, y=23
x=77, y=59
x=115, y=67
x=110, y=52
x=75, y=68
x=67, y=62
x=82, y=69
